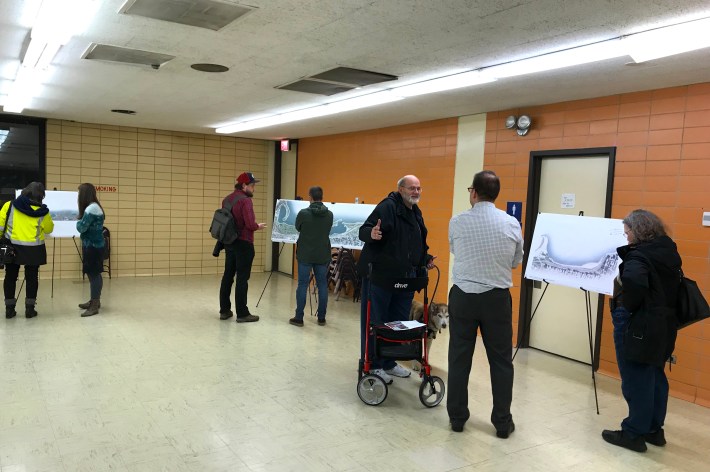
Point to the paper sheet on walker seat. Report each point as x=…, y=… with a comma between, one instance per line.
x=402, y=325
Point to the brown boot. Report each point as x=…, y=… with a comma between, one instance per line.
x=93, y=308
x=86, y=305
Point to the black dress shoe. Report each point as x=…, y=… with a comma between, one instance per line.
x=225, y=315
x=623, y=439
x=657, y=438
x=457, y=424
x=505, y=432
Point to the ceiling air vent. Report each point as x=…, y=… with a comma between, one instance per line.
x=207, y=14
x=104, y=52
x=338, y=80
x=360, y=78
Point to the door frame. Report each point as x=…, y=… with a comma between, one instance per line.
x=526, y=286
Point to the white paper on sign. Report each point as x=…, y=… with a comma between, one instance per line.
x=576, y=251
x=568, y=200
x=64, y=209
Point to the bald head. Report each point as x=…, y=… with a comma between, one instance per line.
x=410, y=189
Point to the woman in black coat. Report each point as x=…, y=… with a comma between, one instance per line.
x=643, y=382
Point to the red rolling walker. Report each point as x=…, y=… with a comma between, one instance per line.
x=390, y=344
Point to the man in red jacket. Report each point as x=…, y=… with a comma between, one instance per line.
x=239, y=254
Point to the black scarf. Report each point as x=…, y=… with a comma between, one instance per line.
x=24, y=205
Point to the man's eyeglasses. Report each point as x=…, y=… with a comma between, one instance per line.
x=470, y=189
x=412, y=189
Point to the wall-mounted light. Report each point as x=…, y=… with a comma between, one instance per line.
x=521, y=124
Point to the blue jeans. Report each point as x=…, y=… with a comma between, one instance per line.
x=96, y=283
x=304, y=277
x=386, y=306
x=645, y=387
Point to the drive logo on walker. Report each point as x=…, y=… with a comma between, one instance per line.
x=398, y=285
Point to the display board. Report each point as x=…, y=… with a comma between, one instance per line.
x=576, y=251
x=64, y=210
x=347, y=219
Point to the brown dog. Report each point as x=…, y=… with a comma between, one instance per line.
x=438, y=320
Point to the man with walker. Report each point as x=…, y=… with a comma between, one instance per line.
x=395, y=246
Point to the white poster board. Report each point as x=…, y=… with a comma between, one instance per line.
x=64, y=209
x=576, y=251
x=347, y=219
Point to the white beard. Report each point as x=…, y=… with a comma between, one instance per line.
x=412, y=200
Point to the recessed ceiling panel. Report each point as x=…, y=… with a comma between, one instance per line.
x=347, y=75
x=313, y=86
x=207, y=14
x=104, y=52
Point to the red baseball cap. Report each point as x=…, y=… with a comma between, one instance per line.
x=247, y=178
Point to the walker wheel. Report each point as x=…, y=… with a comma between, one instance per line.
x=372, y=390
x=431, y=392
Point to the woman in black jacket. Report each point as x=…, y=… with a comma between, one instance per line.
x=644, y=385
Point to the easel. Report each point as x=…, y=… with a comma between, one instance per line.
x=271, y=272
x=588, y=304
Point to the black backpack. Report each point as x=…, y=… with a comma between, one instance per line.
x=223, y=227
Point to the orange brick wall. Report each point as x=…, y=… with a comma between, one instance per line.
x=662, y=164
x=368, y=164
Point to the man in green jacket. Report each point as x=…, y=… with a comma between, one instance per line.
x=313, y=253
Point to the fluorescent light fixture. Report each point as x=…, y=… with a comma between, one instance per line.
x=465, y=79
x=34, y=52
x=331, y=108
x=668, y=41
x=641, y=47
x=40, y=54
x=59, y=21
x=362, y=101
x=25, y=86
x=55, y=24
x=558, y=60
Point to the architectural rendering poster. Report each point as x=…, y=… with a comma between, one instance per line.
x=64, y=209
x=576, y=251
x=347, y=219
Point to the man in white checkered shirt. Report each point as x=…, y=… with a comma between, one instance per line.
x=486, y=244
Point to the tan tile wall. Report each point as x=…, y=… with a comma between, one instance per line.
x=168, y=185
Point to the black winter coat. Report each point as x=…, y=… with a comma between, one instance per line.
x=636, y=280
x=403, y=246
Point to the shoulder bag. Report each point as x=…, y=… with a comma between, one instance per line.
x=7, y=250
x=692, y=306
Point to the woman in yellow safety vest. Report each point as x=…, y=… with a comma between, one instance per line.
x=25, y=221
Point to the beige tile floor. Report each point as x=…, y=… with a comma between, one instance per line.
x=157, y=383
